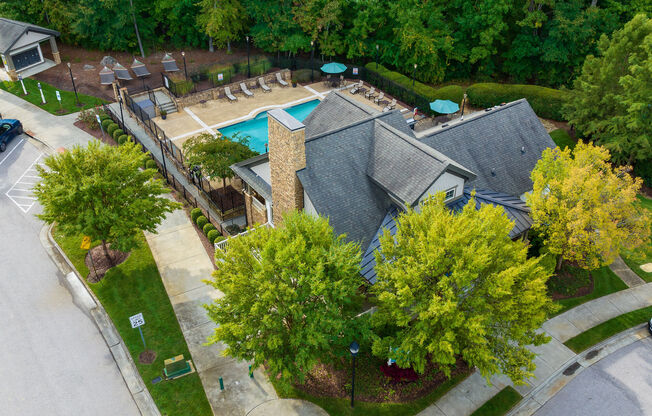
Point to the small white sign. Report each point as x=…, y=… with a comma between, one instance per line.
x=220, y=77
x=97, y=117
x=38, y=85
x=58, y=96
x=137, y=320
x=355, y=71
x=167, y=84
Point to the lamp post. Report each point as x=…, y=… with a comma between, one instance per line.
x=248, y=67
x=312, y=54
x=377, y=47
x=354, y=348
x=463, y=102
x=73, y=85
x=185, y=70
x=121, y=114
x=414, y=73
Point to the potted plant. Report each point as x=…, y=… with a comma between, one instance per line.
x=164, y=114
x=294, y=82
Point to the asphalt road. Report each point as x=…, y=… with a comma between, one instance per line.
x=54, y=360
x=620, y=384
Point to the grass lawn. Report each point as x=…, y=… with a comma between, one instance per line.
x=562, y=139
x=132, y=287
x=604, y=282
x=642, y=255
x=608, y=329
x=342, y=407
x=68, y=101
x=500, y=404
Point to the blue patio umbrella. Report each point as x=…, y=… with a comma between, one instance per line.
x=444, y=106
x=333, y=68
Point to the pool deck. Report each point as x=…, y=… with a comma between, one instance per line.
x=215, y=114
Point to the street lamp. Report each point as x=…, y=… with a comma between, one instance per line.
x=414, y=74
x=121, y=115
x=312, y=54
x=354, y=348
x=248, y=67
x=377, y=56
x=185, y=70
x=73, y=85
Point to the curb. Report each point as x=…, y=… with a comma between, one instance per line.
x=538, y=396
x=85, y=299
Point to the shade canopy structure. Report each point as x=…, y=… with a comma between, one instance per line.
x=106, y=76
x=333, y=68
x=121, y=72
x=139, y=69
x=444, y=106
x=169, y=64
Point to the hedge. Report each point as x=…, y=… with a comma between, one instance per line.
x=455, y=93
x=208, y=228
x=213, y=235
x=112, y=127
x=195, y=213
x=104, y=116
x=106, y=122
x=546, y=102
x=151, y=164
x=201, y=221
x=301, y=75
x=122, y=138
x=117, y=133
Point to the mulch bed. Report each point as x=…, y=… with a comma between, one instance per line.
x=147, y=357
x=563, y=277
x=97, y=133
x=371, y=384
x=98, y=264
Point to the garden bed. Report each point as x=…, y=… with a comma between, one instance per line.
x=604, y=282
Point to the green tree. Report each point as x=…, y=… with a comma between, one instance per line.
x=101, y=191
x=454, y=284
x=223, y=21
x=216, y=154
x=610, y=100
x=584, y=207
x=290, y=296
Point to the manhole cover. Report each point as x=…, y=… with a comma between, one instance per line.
x=592, y=354
x=571, y=369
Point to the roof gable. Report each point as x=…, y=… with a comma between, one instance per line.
x=334, y=111
x=12, y=30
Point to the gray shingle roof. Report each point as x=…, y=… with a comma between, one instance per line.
x=243, y=170
x=515, y=209
x=12, y=30
x=500, y=146
x=334, y=111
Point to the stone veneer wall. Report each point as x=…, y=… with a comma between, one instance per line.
x=287, y=155
x=254, y=215
x=218, y=92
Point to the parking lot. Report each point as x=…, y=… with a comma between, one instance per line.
x=18, y=172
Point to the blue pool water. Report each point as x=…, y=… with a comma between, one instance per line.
x=256, y=128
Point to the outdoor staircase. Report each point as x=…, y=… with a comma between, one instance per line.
x=169, y=107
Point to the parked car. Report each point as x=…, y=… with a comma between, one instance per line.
x=9, y=128
x=649, y=326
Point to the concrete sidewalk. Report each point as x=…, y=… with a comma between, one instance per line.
x=552, y=358
x=183, y=264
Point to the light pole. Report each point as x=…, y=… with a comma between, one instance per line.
x=312, y=54
x=414, y=73
x=248, y=67
x=377, y=47
x=354, y=348
x=185, y=70
x=73, y=85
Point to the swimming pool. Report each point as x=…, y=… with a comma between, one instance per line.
x=256, y=128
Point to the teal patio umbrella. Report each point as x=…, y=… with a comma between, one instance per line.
x=333, y=68
x=444, y=106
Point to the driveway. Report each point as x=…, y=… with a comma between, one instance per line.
x=619, y=384
x=54, y=360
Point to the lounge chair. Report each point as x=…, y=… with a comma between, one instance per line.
x=391, y=105
x=356, y=88
x=264, y=86
x=327, y=81
x=369, y=94
x=227, y=92
x=245, y=90
x=379, y=98
x=280, y=80
x=342, y=82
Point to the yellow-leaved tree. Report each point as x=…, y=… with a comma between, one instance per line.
x=584, y=207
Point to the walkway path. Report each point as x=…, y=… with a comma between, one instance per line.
x=552, y=357
x=626, y=274
x=183, y=264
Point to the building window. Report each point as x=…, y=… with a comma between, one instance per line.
x=450, y=194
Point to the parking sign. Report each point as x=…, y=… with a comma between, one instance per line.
x=137, y=320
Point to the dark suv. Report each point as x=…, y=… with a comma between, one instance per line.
x=9, y=128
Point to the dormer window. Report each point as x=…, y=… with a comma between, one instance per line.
x=450, y=193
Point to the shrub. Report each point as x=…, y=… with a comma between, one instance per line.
x=88, y=118
x=182, y=87
x=643, y=169
x=106, y=122
x=546, y=102
x=213, y=235
x=226, y=71
x=195, y=213
x=112, y=127
x=201, y=221
x=301, y=75
x=219, y=238
x=208, y=228
x=233, y=229
x=122, y=138
x=117, y=133
x=104, y=116
x=260, y=66
x=151, y=164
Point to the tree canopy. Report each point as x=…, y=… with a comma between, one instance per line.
x=584, y=207
x=290, y=296
x=611, y=101
x=102, y=192
x=454, y=284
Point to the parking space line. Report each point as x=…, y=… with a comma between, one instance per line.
x=11, y=151
x=17, y=199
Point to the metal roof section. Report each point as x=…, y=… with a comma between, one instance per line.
x=169, y=64
x=106, y=76
x=121, y=72
x=139, y=69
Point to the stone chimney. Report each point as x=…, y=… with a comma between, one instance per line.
x=287, y=155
